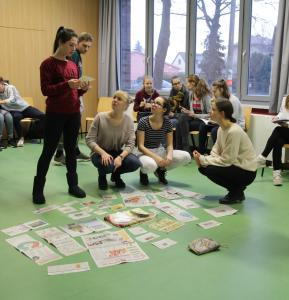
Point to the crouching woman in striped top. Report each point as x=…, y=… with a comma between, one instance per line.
x=155, y=143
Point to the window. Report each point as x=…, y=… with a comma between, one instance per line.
x=217, y=41
x=169, y=40
x=263, y=24
x=229, y=39
x=132, y=44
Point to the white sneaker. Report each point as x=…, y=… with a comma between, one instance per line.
x=20, y=143
x=261, y=161
x=277, y=178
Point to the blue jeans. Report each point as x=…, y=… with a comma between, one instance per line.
x=129, y=164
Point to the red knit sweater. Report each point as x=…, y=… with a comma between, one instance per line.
x=54, y=76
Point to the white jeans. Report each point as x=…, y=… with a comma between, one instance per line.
x=180, y=158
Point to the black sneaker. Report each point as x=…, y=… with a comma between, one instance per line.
x=102, y=182
x=119, y=183
x=77, y=192
x=232, y=198
x=2, y=145
x=143, y=178
x=161, y=175
x=59, y=160
x=12, y=143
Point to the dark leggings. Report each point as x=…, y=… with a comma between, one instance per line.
x=233, y=178
x=278, y=138
x=55, y=125
x=29, y=112
x=184, y=126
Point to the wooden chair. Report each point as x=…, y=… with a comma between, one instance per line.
x=104, y=104
x=247, y=110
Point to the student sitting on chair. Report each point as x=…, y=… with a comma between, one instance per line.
x=144, y=98
x=232, y=163
x=278, y=138
x=111, y=139
x=6, y=119
x=220, y=89
x=11, y=101
x=200, y=106
x=151, y=132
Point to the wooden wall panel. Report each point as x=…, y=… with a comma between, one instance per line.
x=27, y=30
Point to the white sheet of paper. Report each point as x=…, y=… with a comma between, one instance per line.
x=137, y=230
x=165, y=243
x=186, y=203
x=221, y=211
x=69, y=268
x=35, y=224
x=46, y=209
x=14, y=230
x=79, y=215
x=147, y=237
x=209, y=224
x=67, y=209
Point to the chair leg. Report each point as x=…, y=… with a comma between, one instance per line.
x=262, y=172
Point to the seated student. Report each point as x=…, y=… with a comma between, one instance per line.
x=151, y=132
x=111, y=139
x=6, y=118
x=220, y=89
x=232, y=163
x=179, y=98
x=278, y=138
x=144, y=97
x=200, y=106
x=19, y=108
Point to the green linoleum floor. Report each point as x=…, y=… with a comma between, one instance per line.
x=252, y=263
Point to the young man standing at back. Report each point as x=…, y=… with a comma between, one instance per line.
x=84, y=43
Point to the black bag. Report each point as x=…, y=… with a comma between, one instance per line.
x=36, y=130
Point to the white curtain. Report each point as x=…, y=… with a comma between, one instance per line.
x=280, y=72
x=108, y=57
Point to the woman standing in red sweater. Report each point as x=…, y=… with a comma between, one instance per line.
x=60, y=84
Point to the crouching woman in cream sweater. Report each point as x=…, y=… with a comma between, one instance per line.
x=232, y=163
x=111, y=139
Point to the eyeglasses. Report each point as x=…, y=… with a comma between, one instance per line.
x=158, y=103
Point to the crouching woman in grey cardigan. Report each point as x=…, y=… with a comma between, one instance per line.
x=111, y=139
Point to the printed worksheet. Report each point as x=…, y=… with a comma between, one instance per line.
x=137, y=230
x=67, y=209
x=35, y=250
x=176, y=212
x=110, y=248
x=69, y=268
x=209, y=224
x=221, y=211
x=165, y=225
x=79, y=215
x=147, y=237
x=36, y=224
x=186, y=203
x=15, y=230
x=46, y=209
x=165, y=243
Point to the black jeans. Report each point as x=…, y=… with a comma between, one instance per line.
x=29, y=112
x=278, y=138
x=129, y=164
x=233, y=178
x=184, y=126
x=55, y=125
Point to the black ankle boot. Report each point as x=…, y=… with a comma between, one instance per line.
x=102, y=182
x=119, y=183
x=143, y=178
x=38, y=187
x=74, y=189
x=161, y=174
